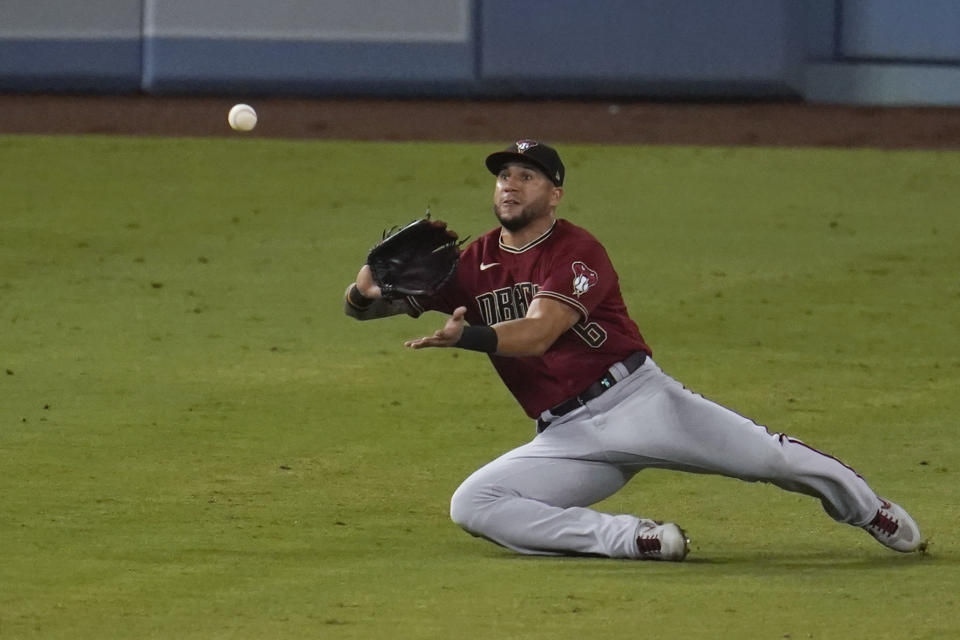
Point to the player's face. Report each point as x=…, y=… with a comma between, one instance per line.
x=522, y=195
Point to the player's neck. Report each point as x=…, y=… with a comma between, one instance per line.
x=526, y=235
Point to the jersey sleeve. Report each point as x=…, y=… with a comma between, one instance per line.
x=437, y=302
x=580, y=276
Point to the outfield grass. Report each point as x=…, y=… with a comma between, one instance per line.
x=196, y=443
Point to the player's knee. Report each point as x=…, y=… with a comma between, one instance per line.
x=459, y=513
x=470, y=504
x=462, y=508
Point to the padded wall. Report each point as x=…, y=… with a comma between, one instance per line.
x=94, y=45
x=846, y=51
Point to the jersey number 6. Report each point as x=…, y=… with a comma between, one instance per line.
x=593, y=334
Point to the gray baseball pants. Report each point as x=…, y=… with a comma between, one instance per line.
x=534, y=498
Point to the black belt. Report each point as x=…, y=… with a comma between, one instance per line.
x=595, y=390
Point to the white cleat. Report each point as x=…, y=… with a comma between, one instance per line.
x=663, y=542
x=893, y=527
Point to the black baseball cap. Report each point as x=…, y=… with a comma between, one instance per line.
x=542, y=156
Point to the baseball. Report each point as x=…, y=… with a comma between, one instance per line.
x=242, y=117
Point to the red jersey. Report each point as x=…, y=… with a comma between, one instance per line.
x=496, y=282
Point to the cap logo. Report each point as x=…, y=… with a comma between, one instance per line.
x=523, y=145
x=583, y=278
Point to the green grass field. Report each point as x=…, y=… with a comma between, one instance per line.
x=197, y=443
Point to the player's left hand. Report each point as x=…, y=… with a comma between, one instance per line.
x=445, y=337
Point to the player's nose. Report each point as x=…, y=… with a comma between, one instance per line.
x=510, y=183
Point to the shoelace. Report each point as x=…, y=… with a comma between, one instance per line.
x=884, y=523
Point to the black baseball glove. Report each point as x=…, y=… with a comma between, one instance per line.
x=416, y=260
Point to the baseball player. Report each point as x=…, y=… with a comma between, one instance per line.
x=540, y=296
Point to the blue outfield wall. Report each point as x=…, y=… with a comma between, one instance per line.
x=696, y=46
x=900, y=31
x=102, y=66
x=840, y=51
x=245, y=66
x=890, y=52
x=94, y=45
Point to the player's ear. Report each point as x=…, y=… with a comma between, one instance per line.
x=556, y=194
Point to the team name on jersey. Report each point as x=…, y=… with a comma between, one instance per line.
x=508, y=303
x=511, y=303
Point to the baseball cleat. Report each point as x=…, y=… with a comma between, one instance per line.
x=663, y=542
x=894, y=528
